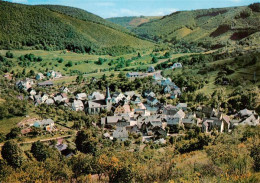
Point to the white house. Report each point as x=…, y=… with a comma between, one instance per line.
x=81, y=96
x=77, y=105
x=176, y=65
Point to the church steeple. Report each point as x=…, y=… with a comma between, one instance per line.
x=108, y=97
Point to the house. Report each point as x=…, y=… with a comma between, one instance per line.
x=46, y=124
x=180, y=114
x=182, y=106
x=176, y=65
x=136, y=99
x=64, y=89
x=54, y=74
x=112, y=120
x=170, y=110
x=149, y=93
x=245, y=113
x=188, y=122
x=133, y=129
x=120, y=133
x=150, y=69
x=171, y=121
x=133, y=74
x=141, y=106
x=39, y=76
x=24, y=84
x=44, y=97
x=81, y=96
x=8, y=76
x=207, y=125
x=122, y=109
x=31, y=91
x=251, y=120
x=220, y=123
x=59, y=98
x=152, y=101
x=37, y=99
x=159, y=132
x=77, y=105
x=209, y=112
x=96, y=96
x=107, y=136
x=46, y=84
x=176, y=93
x=166, y=82
x=61, y=147
x=116, y=97
x=49, y=101
x=167, y=89
x=97, y=106
x=158, y=77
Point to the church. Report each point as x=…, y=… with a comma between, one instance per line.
x=97, y=106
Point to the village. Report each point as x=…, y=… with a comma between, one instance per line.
x=131, y=112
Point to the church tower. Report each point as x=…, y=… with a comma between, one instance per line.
x=108, y=99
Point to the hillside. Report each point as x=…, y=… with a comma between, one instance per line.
x=132, y=21
x=83, y=15
x=211, y=28
x=37, y=27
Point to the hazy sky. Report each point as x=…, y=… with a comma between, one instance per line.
x=115, y=8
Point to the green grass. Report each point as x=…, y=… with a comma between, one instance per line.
x=7, y=124
x=79, y=62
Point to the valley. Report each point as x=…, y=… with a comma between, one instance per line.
x=87, y=99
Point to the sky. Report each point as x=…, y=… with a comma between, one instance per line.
x=119, y=8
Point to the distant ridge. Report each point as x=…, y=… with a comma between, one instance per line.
x=208, y=27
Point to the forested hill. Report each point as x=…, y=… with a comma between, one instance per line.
x=210, y=27
x=83, y=15
x=38, y=27
x=132, y=21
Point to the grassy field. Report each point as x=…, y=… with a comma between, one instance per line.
x=7, y=124
x=84, y=63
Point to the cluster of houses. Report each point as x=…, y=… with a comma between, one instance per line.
x=150, y=71
x=45, y=124
x=51, y=74
x=170, y=118
x=142, y=114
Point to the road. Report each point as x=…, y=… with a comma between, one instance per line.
x=43, y=140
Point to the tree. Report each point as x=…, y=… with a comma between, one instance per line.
x=60, y=60
x=86, y=141
x=154, y=60
x=14, y=133
x=9, y=54
x=167, y=55
x=40, y=151
x=2, y=137
x=82, y=165
x=69, y=64
x=79, y=78
x=255, y=154
x=12, y=153
x=104, y=77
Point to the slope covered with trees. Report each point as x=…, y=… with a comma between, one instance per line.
x=132, y=21
x=211, y=28
x=37, y=27
x=83, y=15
